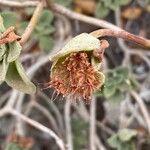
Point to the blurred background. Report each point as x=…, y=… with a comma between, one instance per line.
x=118, y=116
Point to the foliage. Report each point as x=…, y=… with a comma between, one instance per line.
x=118, y=83
x=79, y=128
x=66, y=3
x=103, y=7
x=14, y=146
x=11, y=69
x=123, y=140
x=43, y=32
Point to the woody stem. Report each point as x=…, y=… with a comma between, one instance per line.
x=122, y=34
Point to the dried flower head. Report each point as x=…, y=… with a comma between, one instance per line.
x=75, y=69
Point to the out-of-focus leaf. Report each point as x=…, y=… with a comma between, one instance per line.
x=46, y=18
x=123, y=71
x=9, y=18
x=79, y=137
x=45, y=30
x=113, y=141
x=29, y=11
x=117, y=97
x=124, y=2
x=14, y=51
x=22, y=27
x=13, y=146
x=65, y=3
x=124, y=142
x=3, y=69
x=101, y=11
x=109, y=91
x=17, y=78
x=46, y=43
x=126, y=134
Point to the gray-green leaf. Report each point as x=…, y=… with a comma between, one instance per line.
x=46, y=43
x=17, y=78
x=126, y=134
x=3, y=69
x=14, y=51
x=9, y=18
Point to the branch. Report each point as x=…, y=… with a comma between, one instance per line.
x=68, y=124
x=40, y=127
x=32, y=23
x=122, y=34
x=64, y=11
x=143, y=108
x=92, y=124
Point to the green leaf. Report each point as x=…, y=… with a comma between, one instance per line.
x=109, y=91
x=9, y=18
x=2, y=28
x=114, y=141
x=124, y=2
x=42, y=30
x=46, y=43
x=22, y=27
x=126, y=134
x=14, y=51
x=13, y=146
x=17, y=78
x=46, y=18
x=101, y=11
x=3, y=69
x=123, y=71
x=2, y=51
x=65, y=3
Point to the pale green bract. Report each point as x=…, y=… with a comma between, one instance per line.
x=81, y=43
x=11, y=69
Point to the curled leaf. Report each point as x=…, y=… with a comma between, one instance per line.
x=3, y=69
x=14, y=51
x=17, y=78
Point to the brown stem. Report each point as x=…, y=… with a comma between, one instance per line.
x=32, y=23
x=122, y=34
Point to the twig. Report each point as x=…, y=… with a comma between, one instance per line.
x=32, y=23
x=68, y=124
x=122, y=34
x=19, y=4
x=40, y=127
x=64, y=11
x=143, y=108
x=92, y=124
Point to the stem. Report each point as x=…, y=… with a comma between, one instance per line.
x=122, y=34
x=32, y=23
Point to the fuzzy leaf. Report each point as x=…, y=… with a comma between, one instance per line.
x=3, y=69
x=109, y=91
x=46, y=18
x=101, y=11
x=14, y=51
x=13, y=146
x=45, y=30
x=65, y=3
x=2, y=28
x=82, y=42
x=9, y=18
x=126, y=134
x=2, y=51
x=17, y=78
x=113, y=141
x=46, y=43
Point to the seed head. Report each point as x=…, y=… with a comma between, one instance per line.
x=74, y=70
